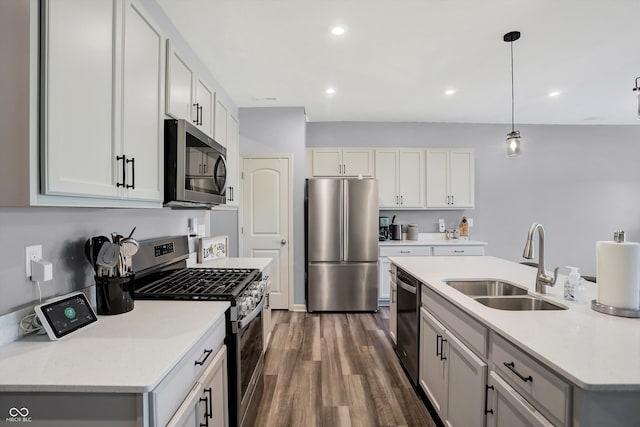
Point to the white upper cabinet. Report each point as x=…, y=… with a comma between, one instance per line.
x=400, y=174
x=342, y=162
x=188, y=96
x=80, y=144
x=143, y=96
x=450, y=178
x=221, y=122
x=233, y=141
x=180, y=79
x=102, y=101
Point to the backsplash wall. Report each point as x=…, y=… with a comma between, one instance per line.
x=62, y=232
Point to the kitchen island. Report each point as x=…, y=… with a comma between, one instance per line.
x=593, y=359
x=131, y=369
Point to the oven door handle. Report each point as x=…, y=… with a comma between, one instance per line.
x=407, y=287
x=249, y=317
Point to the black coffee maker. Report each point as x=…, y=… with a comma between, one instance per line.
x=383, y=223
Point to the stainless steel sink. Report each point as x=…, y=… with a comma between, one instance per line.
x=519, y=303
x=482, y=288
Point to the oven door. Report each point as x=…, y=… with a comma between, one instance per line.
x=250, y=330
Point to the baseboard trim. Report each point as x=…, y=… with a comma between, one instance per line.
x=298, y=307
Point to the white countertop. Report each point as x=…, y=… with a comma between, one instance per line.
x=432, y=239
x=128, y=352
x=258, y=263
x=595, y=351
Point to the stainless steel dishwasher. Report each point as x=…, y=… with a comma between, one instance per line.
x=408, y=318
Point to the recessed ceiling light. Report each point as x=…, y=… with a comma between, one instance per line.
x=337, y=30
x=449, y=91
x=554, y=93
x=330, y=91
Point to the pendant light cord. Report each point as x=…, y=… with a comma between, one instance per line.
x=512, y=96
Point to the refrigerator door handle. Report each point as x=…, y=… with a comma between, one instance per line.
x=344, y=207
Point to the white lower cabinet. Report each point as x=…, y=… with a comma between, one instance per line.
x=384, y=279
x=393, y=311
x=206, y=403
x=507, y=408
x=451, y=375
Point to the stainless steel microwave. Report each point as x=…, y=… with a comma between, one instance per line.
x=195, y=169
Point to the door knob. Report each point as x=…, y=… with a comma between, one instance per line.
x=283, y=242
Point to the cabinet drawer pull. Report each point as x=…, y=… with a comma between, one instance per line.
x=458, y=252
x=206, y=353
x=405, y=252
x=486, y=399
x=512, y=367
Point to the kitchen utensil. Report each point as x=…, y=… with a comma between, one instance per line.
x=108, y=254
x=96, y=245
x=395, y=231
x=128, y=248
x=131, y=234
x=393, y=220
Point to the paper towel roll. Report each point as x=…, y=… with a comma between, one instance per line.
x=618, y=274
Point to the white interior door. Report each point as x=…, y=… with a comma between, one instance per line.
x=266, y=206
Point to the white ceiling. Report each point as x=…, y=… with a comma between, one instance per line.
x=398, y=57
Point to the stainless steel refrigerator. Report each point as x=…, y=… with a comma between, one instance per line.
x=341, y=244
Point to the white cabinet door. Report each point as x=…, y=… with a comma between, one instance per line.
x=461, y=185
x=466, y=381
x=384, y=279
x=357, y=161
x=180, y=78
x=393, y=312
x=189, y=412
x=432, y=370
x=221, y=122
x=507, y=408
x=142, y=104
x=411, y=178
x=326, y=162
x=214, y=392
x=80, y=144
x=233, y=142
x=204, y=100
x=387, y=175
x=437, y=178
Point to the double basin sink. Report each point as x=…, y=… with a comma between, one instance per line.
x=502, y=295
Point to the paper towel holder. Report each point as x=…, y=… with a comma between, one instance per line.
x=614, y=311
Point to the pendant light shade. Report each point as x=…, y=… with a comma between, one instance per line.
x=513, y=137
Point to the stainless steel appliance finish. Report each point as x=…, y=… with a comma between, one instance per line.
x=395, y=231
x=194, y=166
x=341, y=244
x=408, y=320
x=543, y=280
x=161, y=274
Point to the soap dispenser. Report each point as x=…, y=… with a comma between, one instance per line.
x=572, y=284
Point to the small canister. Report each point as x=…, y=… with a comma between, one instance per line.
x=412, y=232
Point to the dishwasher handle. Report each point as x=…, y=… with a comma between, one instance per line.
x=407, y=287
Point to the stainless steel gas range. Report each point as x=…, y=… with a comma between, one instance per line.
x=161, y=273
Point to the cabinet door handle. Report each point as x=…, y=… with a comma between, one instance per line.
x=438, y=338
x=402, y=200
x=200, y=110
x=486, y=399
x=133, y=173
x=453, y=200
x=209, y=391
x=197, y=105
x=344, y=169
x=442, y=356
x=124, y=170
x=512, y=367
x=206, y=353
x=231, y=191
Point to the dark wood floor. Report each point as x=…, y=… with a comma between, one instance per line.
x=336, y=370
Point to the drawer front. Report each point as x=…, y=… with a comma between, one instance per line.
x=405, y=251
x=462, y=325
x=458, y=250
x=549, y=393
x=171, y=391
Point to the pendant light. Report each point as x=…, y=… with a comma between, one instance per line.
x=637, y=89
x=513, y=137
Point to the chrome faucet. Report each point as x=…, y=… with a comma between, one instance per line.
x=543, y=280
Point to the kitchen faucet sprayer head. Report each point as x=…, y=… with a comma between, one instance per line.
x=529, y=251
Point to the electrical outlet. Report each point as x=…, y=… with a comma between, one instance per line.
x=470, y=221
x=32, y=253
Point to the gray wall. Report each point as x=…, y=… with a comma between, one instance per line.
x=62, y=233
x=580, y=182
x=281, y=131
